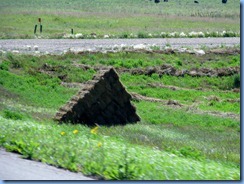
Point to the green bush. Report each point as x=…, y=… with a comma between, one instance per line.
x=126, y=168
x=187, y=151
x=8, y=114
x=190, y=152
x=237, y=81
x=15, y=62
x=179, y=63
x=4, y=66
x=142, y=35
x=124, y=35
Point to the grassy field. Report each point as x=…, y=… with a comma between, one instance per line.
x=116, y=18
x=170, y=143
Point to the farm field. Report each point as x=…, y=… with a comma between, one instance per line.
x=118, y=19
x=195, y=138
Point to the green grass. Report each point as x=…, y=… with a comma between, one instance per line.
x=172, y=131
x=168, y=144
x=143, y=60
x=207, y=83
x=141, y=85
x=109, y=157
x=119, y=18
x=158, y=114
x=31, y=89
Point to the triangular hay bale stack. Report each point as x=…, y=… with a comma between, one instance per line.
x=102, y=100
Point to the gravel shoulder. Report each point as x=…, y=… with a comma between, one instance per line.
x=15, y=168
x=58, y=46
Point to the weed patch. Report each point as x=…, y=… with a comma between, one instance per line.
x=8, y=114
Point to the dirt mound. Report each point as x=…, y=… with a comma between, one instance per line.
x=102, y=100
x=166, y=69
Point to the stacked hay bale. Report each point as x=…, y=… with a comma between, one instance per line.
x=102, y=100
